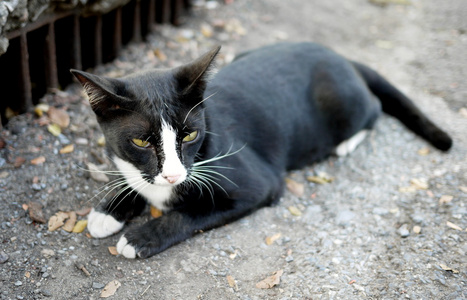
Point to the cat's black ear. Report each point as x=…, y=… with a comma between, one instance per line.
x=100, y=91
x=193, y=76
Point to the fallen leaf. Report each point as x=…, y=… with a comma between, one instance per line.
x=445, y=199
x=25, y=206
x=384, y=44
x=294, y=187
x=295, y=211
x=270, y=281
x=423, y=151
x=160, y=55
x=155, y=213
x=231, y=282
x=38, y=160
x=19, y=161
x=27, y=274
x=56, y=221
x=463, y=188
x=419, y=183
x=408, y=189
x=80, y=226
x=54, y=129
x=59, y=117
x=110, y=288
x=206, y=30
x=417, y=229
x=453, y=226
x=322, y=178
x=97, y=174
x=113, y=250
x=83, y=211
x=40, y=109
x=101, y=141
x=67, y=149
x=463, y=112
x=446, y=268
x=352, y=281
x=70, y=223
x=271, y=239
x=35, y=212
x=48, y=252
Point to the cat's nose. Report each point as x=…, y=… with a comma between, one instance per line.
x=171, y=178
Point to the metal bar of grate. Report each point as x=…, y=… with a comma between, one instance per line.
x=71, y=40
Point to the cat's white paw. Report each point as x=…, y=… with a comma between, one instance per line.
x=125, y=249
x=101, y=225
x=348, y=146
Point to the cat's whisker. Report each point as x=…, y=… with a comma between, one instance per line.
x=199, y=103
x=219, y=156
x=110, y=185
x=202, y=181
x=206, y=169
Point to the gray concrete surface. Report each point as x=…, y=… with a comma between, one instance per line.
x=356, y=238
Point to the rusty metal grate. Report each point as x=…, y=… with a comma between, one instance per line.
x=40, y=54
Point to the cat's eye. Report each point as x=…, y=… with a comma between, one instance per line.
x=191, y=137
x=141, y=143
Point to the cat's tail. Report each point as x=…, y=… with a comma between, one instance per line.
x=401, y=107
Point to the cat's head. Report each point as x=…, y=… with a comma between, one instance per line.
x=153, y=122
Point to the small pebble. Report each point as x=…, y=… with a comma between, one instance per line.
x=404, y=231
x=97, y=285
x=289, y=258
x=18, y=283
x=3, y=257
x=46, y=293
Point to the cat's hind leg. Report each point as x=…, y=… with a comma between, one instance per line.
x=349, y=145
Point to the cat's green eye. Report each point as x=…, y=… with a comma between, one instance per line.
x=141, y=143
x=191, y=137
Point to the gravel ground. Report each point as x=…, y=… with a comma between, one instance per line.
x=373, y=232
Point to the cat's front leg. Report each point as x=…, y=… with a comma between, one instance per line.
x=110, y=218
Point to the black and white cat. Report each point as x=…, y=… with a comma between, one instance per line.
x=208, y=151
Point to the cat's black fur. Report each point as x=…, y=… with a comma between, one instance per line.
x=279, y=108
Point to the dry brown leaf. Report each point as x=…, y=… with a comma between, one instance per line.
x=417, y=229
x=322, y=178
x=155, y=213
x=294, y=187
x=206, y=30
x=463, y=188
x=59, y=117
x=70, y=223
x=423, y=151
x=56, y=221
x=453, y=226
x=19, y=161
x=463, y=112
x=80, y=226
x=294, y=211
x=445, y=199
x=38, y=160
x=27, y=274
x=419, y=184
x=271, y=239
x=160, y=55
x=97, y=174
x=83, y=211
x=231, y=282
x=54, y=129
x=408, y=189
x=446, y=268
x=113, y=250
x=67, y=149
x=110, y=288
x=270, y=281
x=35, y=212
x=25, y=206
